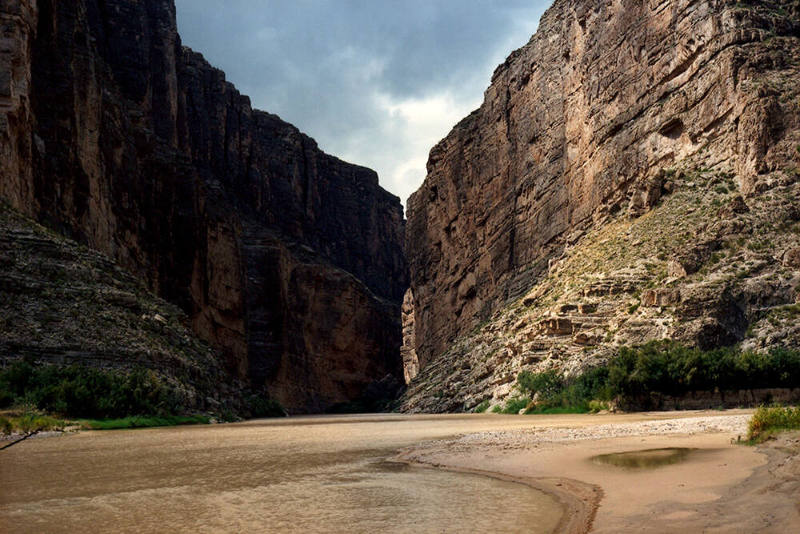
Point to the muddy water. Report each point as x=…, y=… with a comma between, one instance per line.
x=315, y=474
x=645, y=459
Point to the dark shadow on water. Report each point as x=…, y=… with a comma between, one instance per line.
x=644, y=459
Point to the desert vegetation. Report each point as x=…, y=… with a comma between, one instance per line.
x=102, y=399
x=769, y=420
x=81, y=391
x=27, y=421
x=659, y=367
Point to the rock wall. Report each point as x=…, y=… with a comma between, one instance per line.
x=62, y=303
x=287, y=259
x=579, y=126
x=408, y=352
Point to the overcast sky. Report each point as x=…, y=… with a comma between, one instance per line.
x=375, y=82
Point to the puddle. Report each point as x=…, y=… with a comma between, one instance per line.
x=645, y=459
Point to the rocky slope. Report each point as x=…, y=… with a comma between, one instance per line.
x=631, y=175
x=62, y=303
x=287, y=259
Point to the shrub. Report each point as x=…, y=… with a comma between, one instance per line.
x=548, y=384
x=663, y=367
x=260, y=406
x=80, y=391
x=670, y=368
x=5, y=426
x=552, y=391
x=766, y=421
x=597, y=406
x=482, y=407
x=516, y=404
x=28, y=422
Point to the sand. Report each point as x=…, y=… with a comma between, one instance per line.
x=720, y=486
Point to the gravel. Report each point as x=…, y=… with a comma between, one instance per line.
x=523, y=439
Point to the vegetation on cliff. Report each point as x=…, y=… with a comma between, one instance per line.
x=82, y=338
x=272, y=248
x=639, y=376
x=579, y=211
x=702, y=267
x=101, y=399
x=80, y=391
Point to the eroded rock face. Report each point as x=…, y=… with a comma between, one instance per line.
x=287, y=259
x=408, y=352
x=61, y=303
x=586, y=122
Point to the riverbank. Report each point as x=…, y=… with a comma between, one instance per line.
x=720, y=485
x=17, y=427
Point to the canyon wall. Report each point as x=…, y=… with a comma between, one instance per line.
x=286, y=259
x=610, y=107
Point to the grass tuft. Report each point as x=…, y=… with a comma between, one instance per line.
x=27, y=422
x=767, y=421
x=143, y=422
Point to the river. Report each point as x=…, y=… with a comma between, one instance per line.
x=303, y=474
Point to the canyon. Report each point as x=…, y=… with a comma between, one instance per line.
x=287, y=261
x=631, y=175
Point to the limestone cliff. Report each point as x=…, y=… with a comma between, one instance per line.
x=287, y=259
x=630, y=175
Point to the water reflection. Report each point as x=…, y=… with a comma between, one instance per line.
x=644, y=459
x=329, y=476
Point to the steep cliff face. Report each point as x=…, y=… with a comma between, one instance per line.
x=286, y=258
x=62, y=303
x=611, y=110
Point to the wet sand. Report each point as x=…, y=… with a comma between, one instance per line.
x=718, y=486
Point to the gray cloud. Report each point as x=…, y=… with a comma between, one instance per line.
x=375, y=82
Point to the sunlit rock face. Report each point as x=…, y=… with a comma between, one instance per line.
x=610, y=108
x=286, y=259
x=408, y=351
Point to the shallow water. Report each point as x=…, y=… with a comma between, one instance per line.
x=645, y=459
x=312, y=474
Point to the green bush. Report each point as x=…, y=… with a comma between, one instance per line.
x=548, y=384
x=80, y=391
x=662, y=367
x=260, y=406
x=670, y=368
x=556, y=394
x=482, y=407
x=514, y=405
x=5, y=426
x=29, y=421
x=766, y=421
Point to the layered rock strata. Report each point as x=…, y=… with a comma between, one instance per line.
x=630, y=175
x=62, y=303
x=287, y=259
